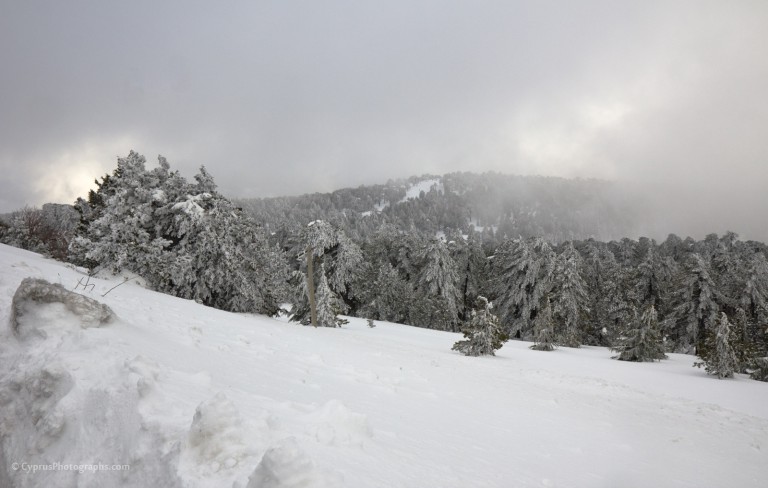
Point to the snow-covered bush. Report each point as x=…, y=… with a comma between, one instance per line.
x=47, y=231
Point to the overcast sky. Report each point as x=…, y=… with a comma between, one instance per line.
x=288, y=97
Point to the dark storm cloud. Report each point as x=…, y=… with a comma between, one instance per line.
x=291, y=97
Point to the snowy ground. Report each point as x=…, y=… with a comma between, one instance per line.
x=194, y=397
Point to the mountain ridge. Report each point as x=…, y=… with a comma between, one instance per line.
x=494, y=204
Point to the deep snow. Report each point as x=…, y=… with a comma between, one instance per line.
x=190, y=396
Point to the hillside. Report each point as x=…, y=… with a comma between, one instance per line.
x=191, y=396
x=491, y=204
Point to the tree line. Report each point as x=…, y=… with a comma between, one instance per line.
x=640, y=297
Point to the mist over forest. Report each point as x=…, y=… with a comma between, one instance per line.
x=512, y=205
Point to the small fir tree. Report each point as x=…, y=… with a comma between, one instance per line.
x=643, y=342
x=484, y=334
x=718, y=357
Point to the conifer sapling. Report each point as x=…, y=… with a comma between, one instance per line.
x=484, y=335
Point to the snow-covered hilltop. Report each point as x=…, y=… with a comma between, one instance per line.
x=491, y=204
x=174, y=394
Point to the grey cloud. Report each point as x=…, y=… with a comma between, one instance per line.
x=291, y=97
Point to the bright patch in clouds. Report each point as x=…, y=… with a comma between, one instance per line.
x=563, y=143
x=73, y=173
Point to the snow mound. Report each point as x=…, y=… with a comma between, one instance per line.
x=288, y=466
x=35, y=291
x=146, y=373
x=334, y=424
x=215, y=440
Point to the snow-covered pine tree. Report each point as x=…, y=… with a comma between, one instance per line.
x=759, y=369
x=327, y=303
x=753, y=298
x=544, y=328
x=717, y=355
x=747, y=350
x=317, y=236
x=600, y=274
x=205, y=183
x=484, y=334
x=694, y=305
x=123, y=237
x=183, y=239
x=345, y=263
x=436, y=303
x=647, y=277
x=217, y=255
x=622, y=301
x=727, y=267
x=471, y=265
x=523, y=276
x=643, y=342
x=391, y=296
x=569, y=293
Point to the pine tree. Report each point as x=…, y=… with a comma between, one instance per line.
x=643, y=342
x=544, y=328
x=718, y=356
x=471, y=265
x=648, y=279
x=327, y=303
x=570, y=297
x=747, y=351
x=183, y=239
x=759, y=369
x=601, y=276
x=754, y=292
x=345, y=262
x=435, y=305
x=391, y=296
x=694, y=305
x=523, y=275
x=318, y=236
x=484, y=334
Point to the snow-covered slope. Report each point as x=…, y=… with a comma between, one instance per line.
x=189, y=396
x=414, y=191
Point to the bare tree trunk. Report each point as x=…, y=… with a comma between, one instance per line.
x=311, y=286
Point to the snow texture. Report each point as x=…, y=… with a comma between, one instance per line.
x=194, y=397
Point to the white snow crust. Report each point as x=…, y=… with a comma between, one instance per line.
x=188, y=396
